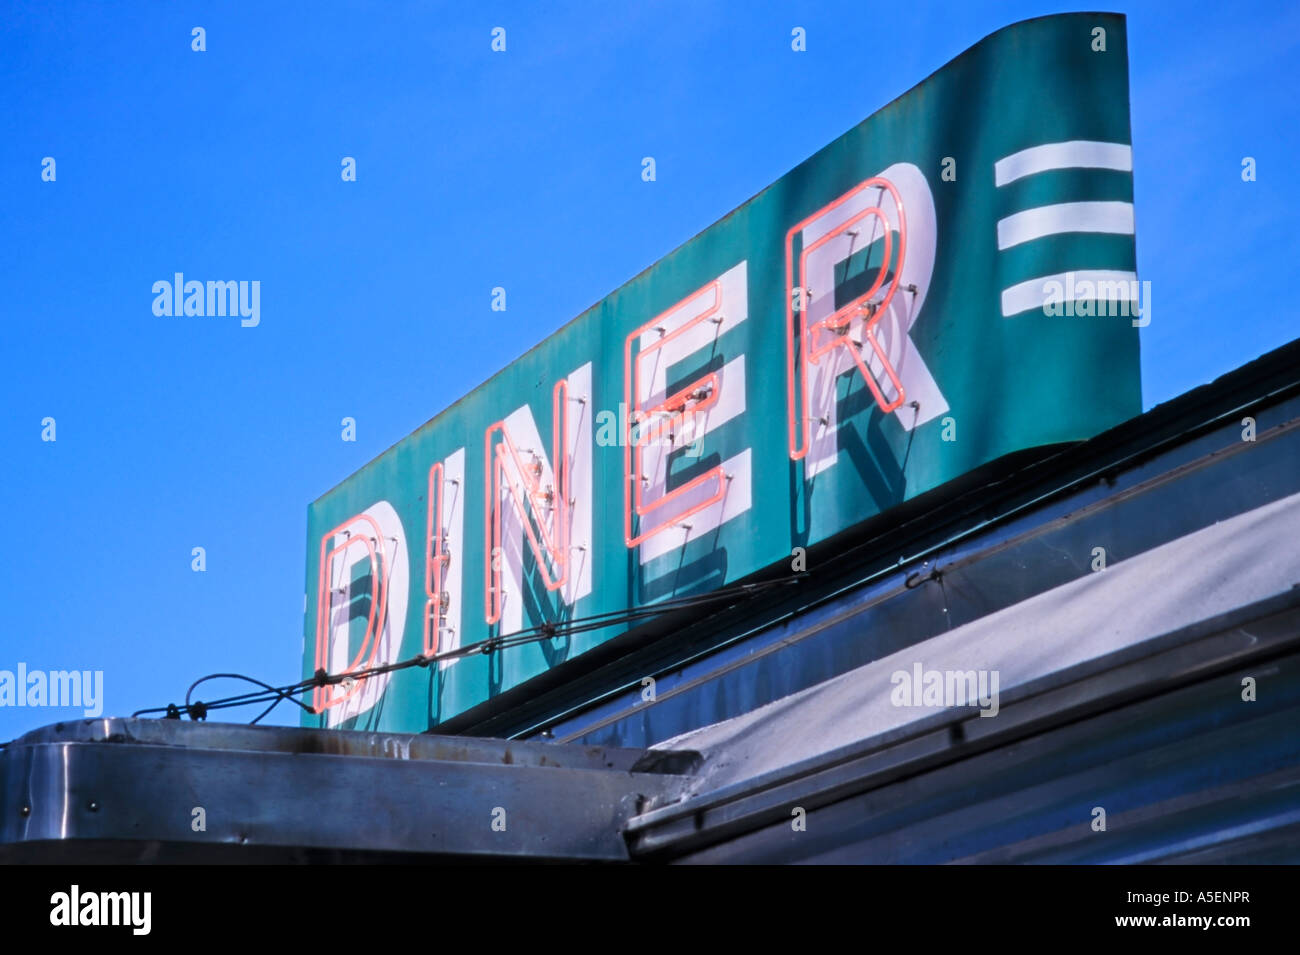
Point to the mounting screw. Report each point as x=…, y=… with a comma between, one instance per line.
x=92, y=806
x=25, y=811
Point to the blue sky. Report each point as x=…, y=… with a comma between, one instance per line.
x=474, y=170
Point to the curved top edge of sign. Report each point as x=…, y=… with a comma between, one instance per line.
x=893, y=103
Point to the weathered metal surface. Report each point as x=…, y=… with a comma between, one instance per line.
x=275, y=739
x=146, y=784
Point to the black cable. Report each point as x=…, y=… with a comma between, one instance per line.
x=236, y=676
x=544, y=631
x=280, y=695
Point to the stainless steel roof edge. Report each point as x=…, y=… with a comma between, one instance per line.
x=231, y=737
x=136, y=795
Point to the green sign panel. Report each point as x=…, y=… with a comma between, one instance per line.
x=951, y=281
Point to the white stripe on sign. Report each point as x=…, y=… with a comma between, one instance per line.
x=1033, y=294
x=1076, y=154
x=1116, y=217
